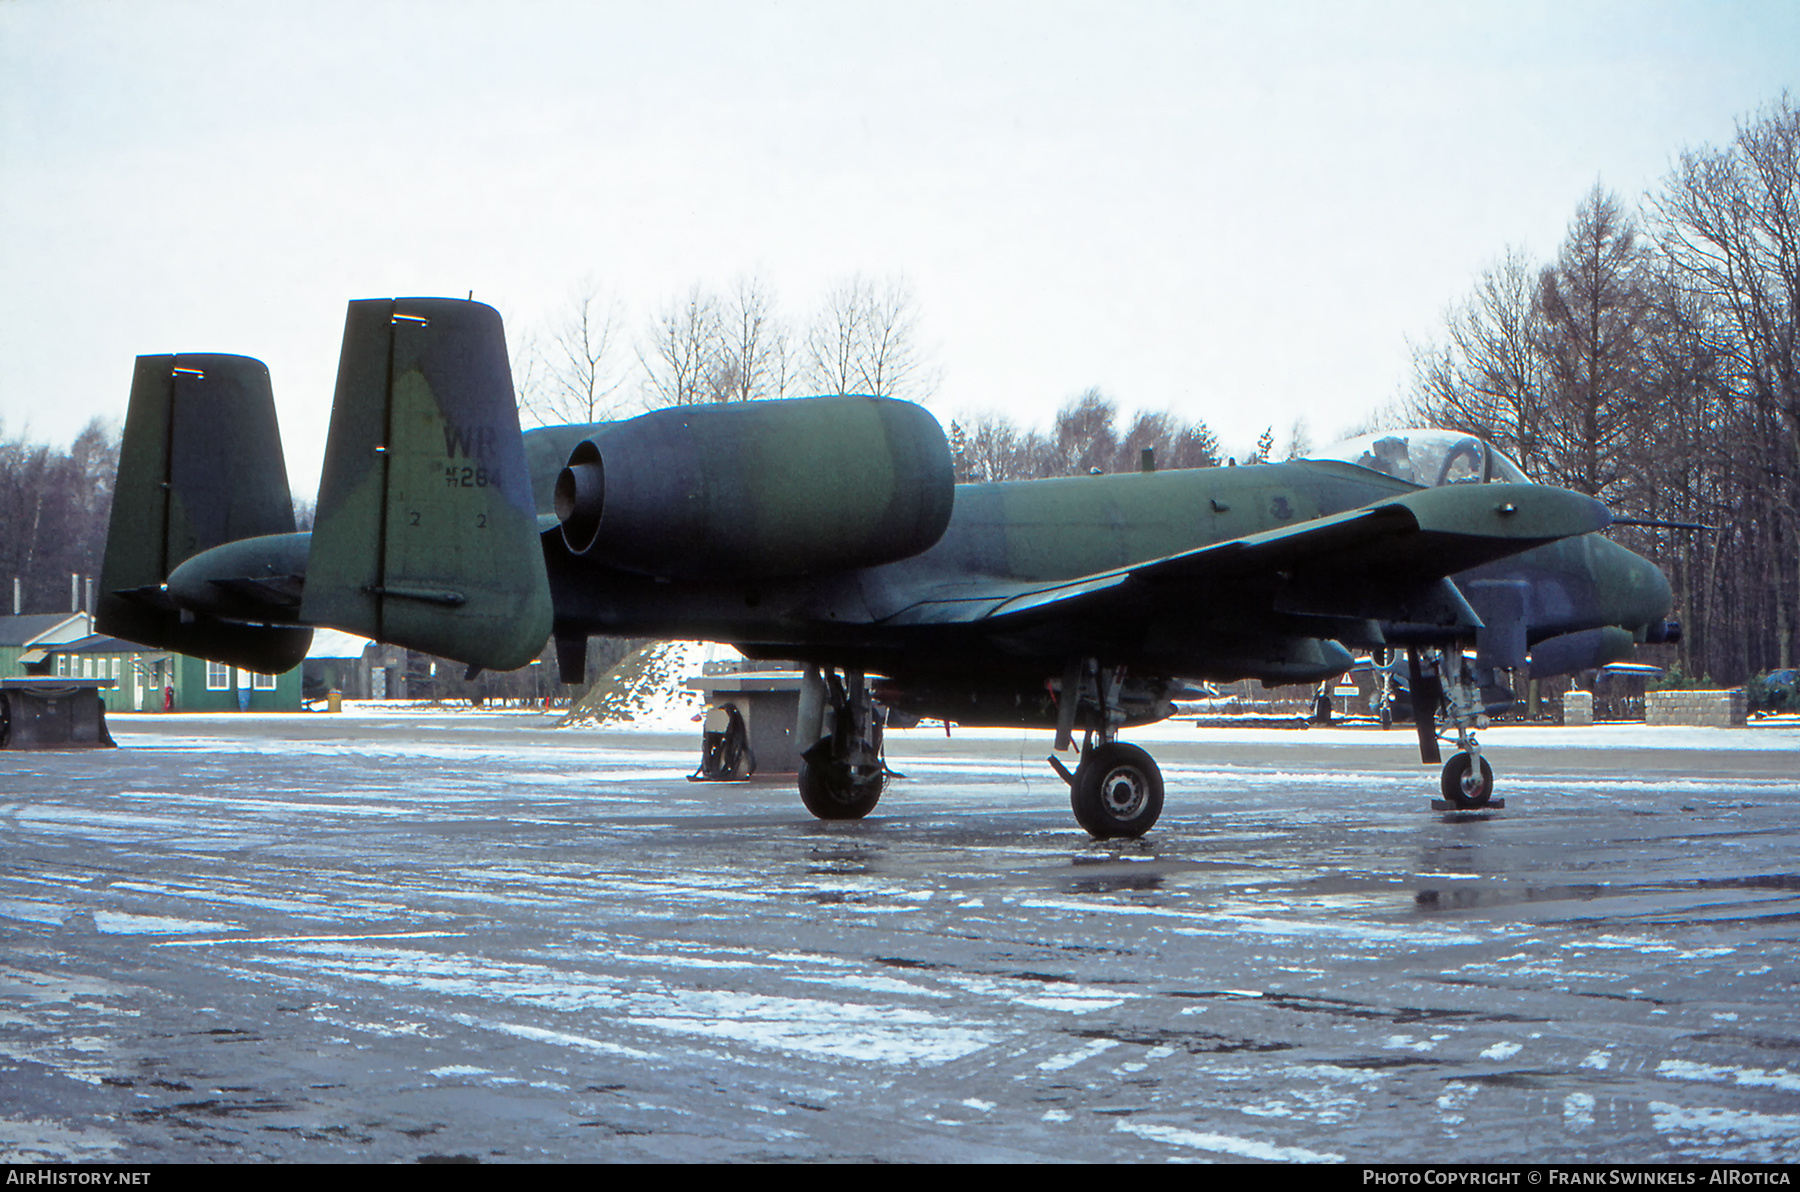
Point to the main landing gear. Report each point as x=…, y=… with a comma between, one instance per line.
x=1116, y=790
x=1443, y=678
x=842, y=775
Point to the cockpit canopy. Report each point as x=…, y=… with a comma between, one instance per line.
x=1428, y=457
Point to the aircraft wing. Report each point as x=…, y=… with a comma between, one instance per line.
x=1383, y=561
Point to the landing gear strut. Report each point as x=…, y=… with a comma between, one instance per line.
x=1443, y=678
x=1384, y=688
x=842, y=775
x=1117, y=789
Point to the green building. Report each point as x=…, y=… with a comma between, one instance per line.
x=64, y=646
x=148, y=680
x=25, y=640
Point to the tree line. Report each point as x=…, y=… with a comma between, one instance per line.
x=585, y=364
x=1085, y=437
x=54, y=506
x=1653, y=364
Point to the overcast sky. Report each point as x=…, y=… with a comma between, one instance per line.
x=1237, y=212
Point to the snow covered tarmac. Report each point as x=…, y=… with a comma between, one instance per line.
x=389, y=936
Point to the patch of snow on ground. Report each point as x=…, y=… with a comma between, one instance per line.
x=647, y=690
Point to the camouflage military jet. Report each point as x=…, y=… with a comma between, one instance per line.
x=826, y=530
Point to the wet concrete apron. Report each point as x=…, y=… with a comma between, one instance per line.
x=392, y=941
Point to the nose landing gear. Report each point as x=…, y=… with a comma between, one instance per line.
x=1442, y=679
x=1468, y=783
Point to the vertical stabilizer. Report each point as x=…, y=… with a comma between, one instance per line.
x=426, y=535
x=200, y=465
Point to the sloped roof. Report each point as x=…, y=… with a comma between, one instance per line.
x=28, y=628
x=99, y=643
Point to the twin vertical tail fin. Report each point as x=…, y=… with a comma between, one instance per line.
x=200, y=466
x=426, y=533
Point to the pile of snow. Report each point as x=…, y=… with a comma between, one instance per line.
x=647, y=690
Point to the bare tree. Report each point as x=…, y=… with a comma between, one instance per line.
x=1729, y=226
x=753, y=359
x=568, y=373
x=1175, y=444
x=1150, y=431
x=865, y=339
x=990, y=448
x=1594, y=322
x=1667, y=382
x=1487, y=378
x=1300, y=442
x=1198, y=447
x=54, y=507
x=1083, y=439
x=1550, y=364
x=682, y=364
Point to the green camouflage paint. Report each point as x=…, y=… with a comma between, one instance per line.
x=426, y=534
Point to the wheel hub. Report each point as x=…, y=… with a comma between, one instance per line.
x=1124, y=792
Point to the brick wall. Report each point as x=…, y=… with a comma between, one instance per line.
x=1709, y=709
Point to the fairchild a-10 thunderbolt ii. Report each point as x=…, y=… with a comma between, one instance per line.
x=829, y=530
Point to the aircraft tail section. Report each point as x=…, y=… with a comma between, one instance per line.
x=200, y=465
x=426, y=535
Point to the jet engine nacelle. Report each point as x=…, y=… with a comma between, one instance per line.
x=759, y=489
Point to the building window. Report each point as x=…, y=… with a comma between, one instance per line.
x=261, y=682
x=218, y=677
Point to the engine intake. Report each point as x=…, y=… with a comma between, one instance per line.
x=759, y=489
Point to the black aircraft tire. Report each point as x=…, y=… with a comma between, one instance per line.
x=1118, y=791
x=828, y=802
x=1455, y=770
